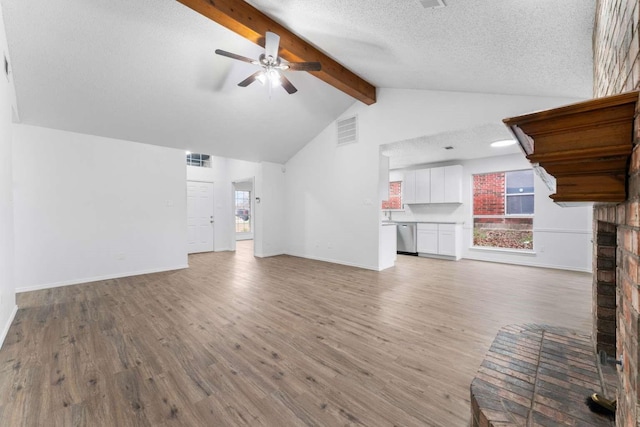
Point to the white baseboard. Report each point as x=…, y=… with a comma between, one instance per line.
x=96, y=279
x=532, y=264
x=5, y=330
x=335, y=261
x=227, y=249
x=269, y=254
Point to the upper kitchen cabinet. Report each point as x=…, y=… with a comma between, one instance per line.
x=417, y=187
x=409, y=188
x=423, y=186
x=435, y=185
x=446, y=184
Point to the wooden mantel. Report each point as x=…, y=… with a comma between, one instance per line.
x=584, y=146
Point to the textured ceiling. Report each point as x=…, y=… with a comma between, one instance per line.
x=471, y=143
x=145, y=70
x=525, y=47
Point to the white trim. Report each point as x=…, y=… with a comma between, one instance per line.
x=533, y=264
x=333, y=261
x=96, y=279
x=5, y=330
x=267, y=255
x=437, y=256
x=551, y=230
x=560, y=230
x=502, y=250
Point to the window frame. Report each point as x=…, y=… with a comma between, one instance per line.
x=401, y=196
x=506, y=215
x=507, y=195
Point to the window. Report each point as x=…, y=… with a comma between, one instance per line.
x=200, y=160
x=243, y=211
x=395, y=196
x=519, y=197
x=503, y=208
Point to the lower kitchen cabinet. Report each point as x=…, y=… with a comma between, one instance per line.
x=441, y=240
x=427, y=240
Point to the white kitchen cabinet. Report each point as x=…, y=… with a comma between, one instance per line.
x=427, y=238
x=453, y=184
x=440, y=240
x=423, y=186
x=416, y=187
x=447, y=239
x=409, y=188
x=446, y=184
x=437, y=185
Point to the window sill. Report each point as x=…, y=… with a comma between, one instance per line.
x=525, y=252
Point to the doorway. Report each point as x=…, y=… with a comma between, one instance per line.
x=243, y=210
x=199, y=217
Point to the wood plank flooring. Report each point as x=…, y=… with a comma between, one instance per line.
x=283, y=341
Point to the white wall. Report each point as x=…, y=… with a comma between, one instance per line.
x=195, y=173
x=270, y=212
x=562, y=236
x=332, y=193
x=7, y=286
x=89, y=208
x=225, y=172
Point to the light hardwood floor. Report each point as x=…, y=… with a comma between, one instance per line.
x=282, y=341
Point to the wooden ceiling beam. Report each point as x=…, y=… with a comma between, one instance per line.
x=247, y=21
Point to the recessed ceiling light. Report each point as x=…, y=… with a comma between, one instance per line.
x=187, y=152
x=504, y=143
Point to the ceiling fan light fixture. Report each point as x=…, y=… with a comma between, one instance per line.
x=271, y=66
x=274, y=77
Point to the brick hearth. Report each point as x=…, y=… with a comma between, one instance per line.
x=537, y=375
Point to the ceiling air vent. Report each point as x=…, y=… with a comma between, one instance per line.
x=432, y=4
x=347, y=130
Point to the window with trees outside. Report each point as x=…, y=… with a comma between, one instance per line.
x=243, y=211
x=503, y=209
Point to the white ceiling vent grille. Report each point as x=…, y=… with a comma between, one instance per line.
x=432, y=4
x=347, y=130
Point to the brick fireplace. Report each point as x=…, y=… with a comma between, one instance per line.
x=617, y=70
x=604, y=286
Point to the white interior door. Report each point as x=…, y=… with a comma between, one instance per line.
x=199, y=217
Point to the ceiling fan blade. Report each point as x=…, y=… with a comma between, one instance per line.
x=235, y=56
x=252, y=78
x=287, y=85
x=304, y=66
x=272, y=45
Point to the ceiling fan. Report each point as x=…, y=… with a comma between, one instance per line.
x=271, y=66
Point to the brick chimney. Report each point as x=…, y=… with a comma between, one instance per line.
x=617, y=227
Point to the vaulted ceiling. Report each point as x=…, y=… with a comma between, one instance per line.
x=145, y=70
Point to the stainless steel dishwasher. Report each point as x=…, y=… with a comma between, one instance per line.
x=407, y=238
